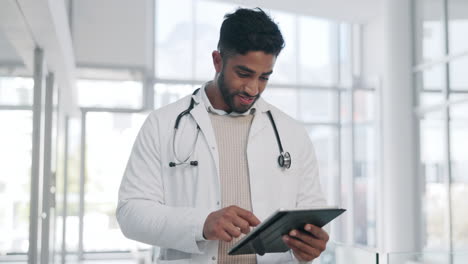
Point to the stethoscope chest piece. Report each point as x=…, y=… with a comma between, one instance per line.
x=284, y=160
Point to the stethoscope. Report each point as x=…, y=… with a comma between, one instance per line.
x=284, y=159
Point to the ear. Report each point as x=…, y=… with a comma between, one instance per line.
x=217, y=61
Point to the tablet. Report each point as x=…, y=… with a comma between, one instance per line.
x=267, y=237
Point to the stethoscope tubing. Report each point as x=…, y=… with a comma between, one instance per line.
x=284, y=159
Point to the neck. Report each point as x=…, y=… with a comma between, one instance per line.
x=215, y=97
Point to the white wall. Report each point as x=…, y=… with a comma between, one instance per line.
x=113, y=33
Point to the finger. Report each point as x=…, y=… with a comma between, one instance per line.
x=232, y=230
x=317, y=232
x=242, y=224
x=248, y=216
x=224, y=236
x=301, y=256
x=299, y=252
x=301, y=246
x=309, y=239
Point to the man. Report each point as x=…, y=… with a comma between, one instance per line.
x=195, y=190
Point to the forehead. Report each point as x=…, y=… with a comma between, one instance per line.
x=257, y=61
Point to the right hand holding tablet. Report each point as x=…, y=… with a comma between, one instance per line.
x=228, y=223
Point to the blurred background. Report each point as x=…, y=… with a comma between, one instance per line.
x=381, y=86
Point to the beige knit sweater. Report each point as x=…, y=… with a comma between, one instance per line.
x=231, y=136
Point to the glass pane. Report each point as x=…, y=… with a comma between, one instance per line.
x=121, y=94
x=364, y=106
x=16, y=90
x=174, y=39
x=435, y=202
x=459, y=111
x=15, y=178
x=458, y=26
x=431, y=83
x=73, y=191
x=429, y=30
x=433, y=257
x=285, y=70
x=325, y=140
x=318, y=106
x=346, y=78
x=105, y=164
x=346, y=164
x=283, y=98
x=459, y=163
x=364, y=184
x=316, y=51
x=209, y=17
x=459, y=97
x=337, y=253
x=345, y=107
x=458, y=76
x=346, y=184
x=165, y=94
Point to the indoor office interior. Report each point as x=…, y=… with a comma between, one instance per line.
x=380, y=85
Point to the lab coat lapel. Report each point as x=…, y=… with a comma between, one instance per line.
x=203, y=120
x=260, y=120
x=259, y=123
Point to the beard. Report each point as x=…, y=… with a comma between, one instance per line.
x=228, y=96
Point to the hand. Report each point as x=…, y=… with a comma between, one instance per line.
x=307, y=245
x=229, y=222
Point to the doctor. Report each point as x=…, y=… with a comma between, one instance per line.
x=207, y=168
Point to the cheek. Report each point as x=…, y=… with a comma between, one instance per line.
x=233, y=82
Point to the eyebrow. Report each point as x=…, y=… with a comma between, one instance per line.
x=243, y=68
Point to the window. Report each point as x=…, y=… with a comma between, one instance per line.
x=109, y=139
x=285, y=71
x=112, y=94
x=165, y=94
x=431, y=84
x=459, y=180
x=429, y=30
x=283, y=98
x=208, y=17
x=317, y=59
x=174, y=40
x=16, y=90
x=457, y=26
x=434, y=172
x=15, y=178
x=442, y=108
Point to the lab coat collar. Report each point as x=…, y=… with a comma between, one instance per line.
x=200, y=115
x=259, y=105
x=199, y=112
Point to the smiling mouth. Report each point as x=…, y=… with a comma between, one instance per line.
x=246, y=100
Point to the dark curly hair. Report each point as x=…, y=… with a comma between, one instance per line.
x=249, y=30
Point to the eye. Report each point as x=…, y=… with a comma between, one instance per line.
x=243, y=74
x=264, y=78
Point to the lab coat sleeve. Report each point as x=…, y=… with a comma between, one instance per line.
x=310, y=193
x=141, y=211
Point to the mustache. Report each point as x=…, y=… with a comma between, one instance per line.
x=246, y=95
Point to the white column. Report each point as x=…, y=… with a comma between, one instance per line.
x=400, y=197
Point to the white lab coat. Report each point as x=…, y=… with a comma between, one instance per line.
x=167, y=207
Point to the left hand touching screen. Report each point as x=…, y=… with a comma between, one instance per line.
x=307, y=245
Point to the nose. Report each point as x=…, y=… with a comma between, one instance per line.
x=251, y=87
